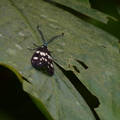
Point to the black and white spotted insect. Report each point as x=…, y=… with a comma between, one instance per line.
x=42, y=57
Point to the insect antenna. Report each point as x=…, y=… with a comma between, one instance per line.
x=54, y=38
x=45, y=43
x=42, y=36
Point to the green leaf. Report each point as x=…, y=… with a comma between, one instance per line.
x=91, y=50
x=84, y=7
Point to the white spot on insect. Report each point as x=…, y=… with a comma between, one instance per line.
x=35, y=58
x=1, y=35
x=39, y=62
x=43, y=58
x=40, y=59
x=42, y=53
x=46, y=60
x=49, y=57
x=37, y=51
x=11, y=51
x=18, y=46
x=51, y=65
x=21, y=34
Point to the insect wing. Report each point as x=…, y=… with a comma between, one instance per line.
x=38, y=58
x=50, y=67
x=42, y=58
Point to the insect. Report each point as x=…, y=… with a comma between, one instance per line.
x=42, y=57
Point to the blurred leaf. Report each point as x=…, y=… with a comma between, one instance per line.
x=84, y=7
x=93, y=52
x=118, y=9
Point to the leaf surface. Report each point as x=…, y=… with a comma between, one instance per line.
x=94, y=52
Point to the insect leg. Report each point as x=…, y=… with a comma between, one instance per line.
x=32, y=48
x=36, y=45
